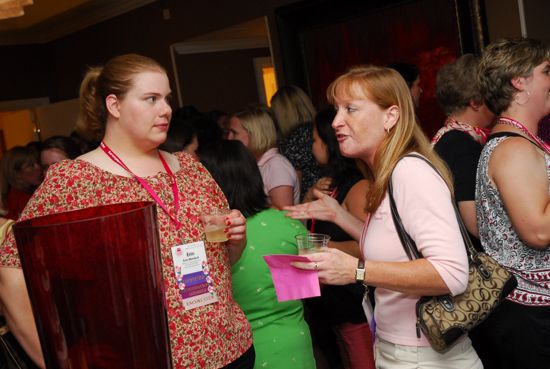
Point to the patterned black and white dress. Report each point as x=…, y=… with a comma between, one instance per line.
x=499, y=239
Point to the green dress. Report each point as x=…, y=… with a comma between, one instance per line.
x=281, y=335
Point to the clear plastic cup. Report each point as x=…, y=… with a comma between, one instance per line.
x=214, y=225
x=311, y=242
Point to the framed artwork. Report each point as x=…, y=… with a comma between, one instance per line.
x=322, y=39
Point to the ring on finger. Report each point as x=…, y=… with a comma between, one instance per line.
x=316, y=266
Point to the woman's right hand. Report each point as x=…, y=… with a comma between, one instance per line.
x=334, y=267
x=324, y=208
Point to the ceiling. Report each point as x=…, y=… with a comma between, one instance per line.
x=47, y=20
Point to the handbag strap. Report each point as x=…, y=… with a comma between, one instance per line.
x=408, y=243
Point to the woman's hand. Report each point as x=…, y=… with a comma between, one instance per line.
x=328, y=209
x=325, y=208
x=236, y=234
x=334, y=266
x=323, y=185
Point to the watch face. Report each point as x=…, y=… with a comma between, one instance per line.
x=360, y=275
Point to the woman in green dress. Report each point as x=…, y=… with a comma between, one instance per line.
x=281, y=335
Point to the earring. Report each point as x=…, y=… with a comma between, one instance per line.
x=523, y=102
x=387, y=130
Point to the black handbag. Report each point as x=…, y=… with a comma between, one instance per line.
x=444, y=319
x=12, y=355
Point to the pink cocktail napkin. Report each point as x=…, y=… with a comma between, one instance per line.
x=292, y=283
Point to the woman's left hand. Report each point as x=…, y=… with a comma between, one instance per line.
x=334, y=266
x=235, y=224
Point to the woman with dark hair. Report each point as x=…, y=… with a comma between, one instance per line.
x=181, y=135
x=20, y=176
x=57, y=148
x=294, y=114
x=281, y=336
x=339, y=307
x=411, y=75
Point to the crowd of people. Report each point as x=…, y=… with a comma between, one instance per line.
x=286, y=170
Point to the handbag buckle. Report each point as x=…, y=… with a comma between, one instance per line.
x=447, y=303
x=483, y=271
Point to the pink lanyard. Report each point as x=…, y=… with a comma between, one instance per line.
x=146, y=185
x=521, y=127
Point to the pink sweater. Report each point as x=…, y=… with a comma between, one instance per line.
x=424, y=204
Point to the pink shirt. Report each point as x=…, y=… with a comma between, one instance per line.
x=424, y=203
x=277, y=171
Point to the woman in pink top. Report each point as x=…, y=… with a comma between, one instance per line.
x=375, y=123
x=255, y=128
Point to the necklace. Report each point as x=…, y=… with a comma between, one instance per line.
x=514, y=123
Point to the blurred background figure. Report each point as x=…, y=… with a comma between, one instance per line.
x=191, y=131
x=512, y=202
x=460, y=141
x=181, y=136
x=20, y=176
x=255, y=128
x=338, y=312
x=57, y=148
x=294, y=115
x=411, y=75
x=221, y=118
x=281, y=335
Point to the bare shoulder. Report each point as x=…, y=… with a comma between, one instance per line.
x=359, y=189
x=356, y=199
x=515, y=154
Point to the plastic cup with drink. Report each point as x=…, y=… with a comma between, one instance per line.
x=214, y=225
x=311, y=242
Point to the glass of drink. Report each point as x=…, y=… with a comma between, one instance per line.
x=214, y=225
x=311, y=242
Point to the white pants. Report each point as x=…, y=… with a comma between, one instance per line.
x=391, y=356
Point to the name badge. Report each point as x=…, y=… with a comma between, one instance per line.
x=193, y=276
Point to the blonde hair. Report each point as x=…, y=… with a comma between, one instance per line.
x=115, y=77
x=258, y=122
x=386, y=88
x=292, y=108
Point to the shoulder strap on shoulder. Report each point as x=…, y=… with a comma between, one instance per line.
x=406, y=240
x=510, y=134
